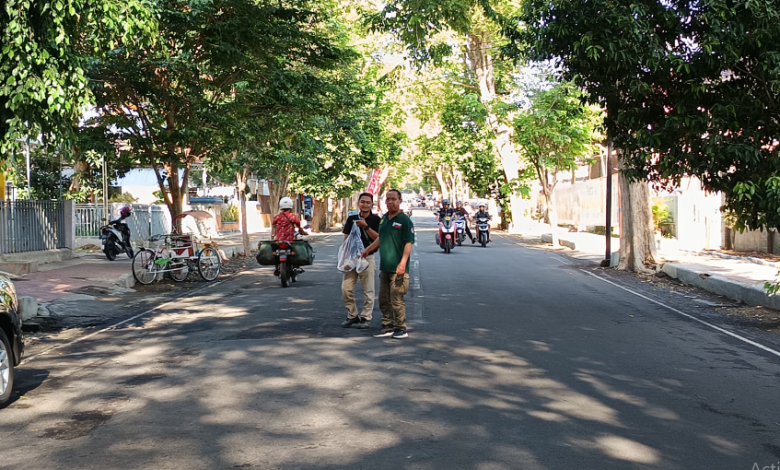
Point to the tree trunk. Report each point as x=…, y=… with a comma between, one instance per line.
x=277, y=188
x=479, y=50
x=552, y=216
x=319, y=221
x=637, y=239
x=336, y=215
x=176, y=190
x=445, y=193
x=241, y=178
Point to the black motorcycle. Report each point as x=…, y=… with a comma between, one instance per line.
x=116, y=238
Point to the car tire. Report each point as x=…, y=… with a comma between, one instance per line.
x=6, y=370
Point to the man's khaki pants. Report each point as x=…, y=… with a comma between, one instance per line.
x=392, y=289
x=348, y=284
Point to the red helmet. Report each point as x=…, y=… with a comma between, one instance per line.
x=126, y=211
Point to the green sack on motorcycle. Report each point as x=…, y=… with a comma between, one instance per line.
x=303, y=254
x=265, y=253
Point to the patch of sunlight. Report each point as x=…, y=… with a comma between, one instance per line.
x=609, y=392
x=509, y=458
x=625, y=449
x=154, y=350
x=539, y=345
x=548, y=416
x=662, y=413
x=497, y=404
x=583, y=407
x=723, y=445
x=295, y=300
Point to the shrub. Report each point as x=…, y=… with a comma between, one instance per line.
x=230, y=214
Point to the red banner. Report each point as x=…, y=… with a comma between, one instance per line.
x=376, y=180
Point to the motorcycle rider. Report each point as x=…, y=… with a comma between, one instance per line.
x=119, y=224
x=461, y=211
x=482, y=213
x=445, y=209
x=284, y=224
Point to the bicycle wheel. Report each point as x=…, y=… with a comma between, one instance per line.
x=144, y=269
x=179, y=270
x=209, y=263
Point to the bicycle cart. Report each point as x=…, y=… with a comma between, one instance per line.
x=176, y=254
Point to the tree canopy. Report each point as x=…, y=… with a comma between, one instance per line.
x=45, y=48
x=691, y=88
x=224, y=78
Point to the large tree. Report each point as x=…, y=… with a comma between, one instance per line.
x=690, y=89
x=45, y=47
x=170, y=100
x=430, y=28
x=556, y=134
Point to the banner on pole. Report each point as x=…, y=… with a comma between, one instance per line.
x=376, y=180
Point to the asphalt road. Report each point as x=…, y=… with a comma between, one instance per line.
x=518, y=358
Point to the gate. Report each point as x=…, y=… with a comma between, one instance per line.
x=31, y=226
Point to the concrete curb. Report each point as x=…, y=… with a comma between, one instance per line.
x=749, y=294
x=752, y=259
x=28, y=307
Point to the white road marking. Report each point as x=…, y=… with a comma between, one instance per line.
x=686, y=315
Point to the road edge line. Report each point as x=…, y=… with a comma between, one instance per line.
x=689, y=316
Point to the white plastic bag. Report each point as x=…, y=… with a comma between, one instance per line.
x=350, y=250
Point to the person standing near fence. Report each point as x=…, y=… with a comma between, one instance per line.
x=369, y=231
x=396, y=237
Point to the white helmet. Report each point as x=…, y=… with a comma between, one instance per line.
x=285, y=203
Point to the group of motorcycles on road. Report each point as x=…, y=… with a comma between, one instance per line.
x=452, y=230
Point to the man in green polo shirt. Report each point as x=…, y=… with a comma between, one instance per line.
x=396, y=237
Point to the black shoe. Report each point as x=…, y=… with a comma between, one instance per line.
x=276, y=272
x=385, y=332
x=473, y=241
x=400, y=334
x=364, y=324
x=349, y=322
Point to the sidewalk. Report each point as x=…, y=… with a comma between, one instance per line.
x=90, y=274
x=737, y=278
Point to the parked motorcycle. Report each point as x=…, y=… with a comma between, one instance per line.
x=483, y=228
x=460, y=229
x=446, y=235
x=116, y=236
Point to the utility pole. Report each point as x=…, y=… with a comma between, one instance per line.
x=27, y=158
x=106, y=215
x=608, y=255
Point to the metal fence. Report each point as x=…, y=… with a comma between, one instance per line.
x=31, y=226
x=145, y=220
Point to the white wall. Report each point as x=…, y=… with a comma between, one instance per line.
x=696, y=212
x=584, y=204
